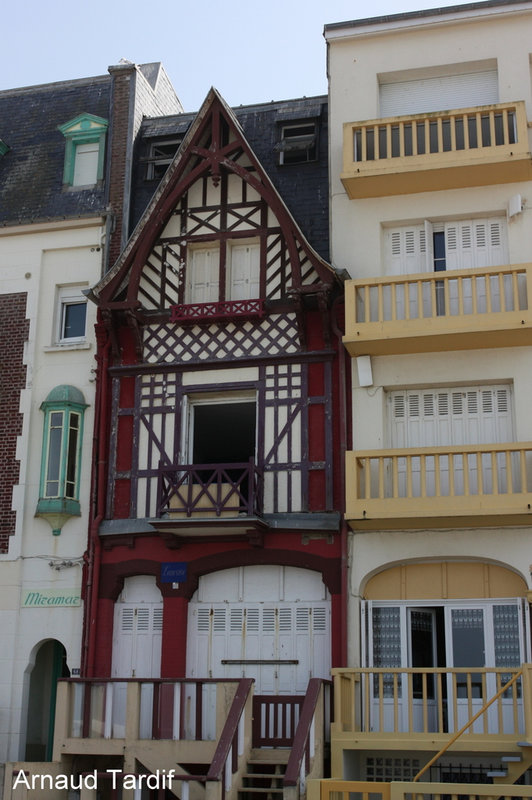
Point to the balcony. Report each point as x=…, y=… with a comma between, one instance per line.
x=431, y=312
x=477, y=146
x=207, y=493
x=440, y=487
x=406, y=707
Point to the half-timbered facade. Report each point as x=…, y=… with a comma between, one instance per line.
x=215, y=549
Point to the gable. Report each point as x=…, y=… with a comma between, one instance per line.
x=216, y=205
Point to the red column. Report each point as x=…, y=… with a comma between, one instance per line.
x=104, y=639
x=174, y=655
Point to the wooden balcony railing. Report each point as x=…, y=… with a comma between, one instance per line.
x=408, y=790
x=181, y=710
x=475, y=485
x=434, y=311
x=210, y=490
x=438, y=150
x=419, y=701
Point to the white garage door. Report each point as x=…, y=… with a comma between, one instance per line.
x=281, y=640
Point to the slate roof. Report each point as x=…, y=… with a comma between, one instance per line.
x=31, y=171
x=303, y=187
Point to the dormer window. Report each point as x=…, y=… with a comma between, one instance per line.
x=161, y=155
x=298, y=143
x=84, y=150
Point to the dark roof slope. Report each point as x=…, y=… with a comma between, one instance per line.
x=31, y=172
x=303, y=187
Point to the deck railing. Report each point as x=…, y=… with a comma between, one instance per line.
x=480, y=145
x=438, y=295
x=308, y=743
x=459, y=130
x=161, y=709
x=408, y=790
x=212, y=490
x=275, y=719
x=419, y=700
x=448, y=480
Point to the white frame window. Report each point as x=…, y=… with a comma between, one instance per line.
x=71, y=324
x=298, y=143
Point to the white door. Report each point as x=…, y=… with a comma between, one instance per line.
x=280, y=642
x=458, y=416
x=137, y=641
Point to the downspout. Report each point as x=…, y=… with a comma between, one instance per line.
x=343, y=447
x=97, y=509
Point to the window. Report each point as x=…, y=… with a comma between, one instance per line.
x=84, y=150
x=71, y=316
x=458, y=244
x=161, y=155
x=298, y=143
x=61, y=455
x=243, y=271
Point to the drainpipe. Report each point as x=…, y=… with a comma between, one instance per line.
x=97, y=508
x=343, y=447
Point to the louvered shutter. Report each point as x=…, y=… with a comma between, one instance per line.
x=203, y=275
x=468, y=415
x=137, y=640
x=244, y=274
x=405, y=249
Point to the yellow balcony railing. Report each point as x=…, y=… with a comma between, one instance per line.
x=408, y=790
x=439, y=150
x=471, y=485
x=416, y=702
x=457, y=309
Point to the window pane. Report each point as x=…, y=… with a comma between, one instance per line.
x=54, y=455
x=74, y=318
x=86, y=164
x=71, y=465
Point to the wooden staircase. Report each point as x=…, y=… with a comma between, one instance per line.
x=513, y=766
x=263, y=779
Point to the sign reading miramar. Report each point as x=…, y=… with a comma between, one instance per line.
x=42, y=598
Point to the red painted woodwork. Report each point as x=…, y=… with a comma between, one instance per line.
x=195, y=312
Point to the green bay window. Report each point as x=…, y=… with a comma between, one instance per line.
x=61, y=456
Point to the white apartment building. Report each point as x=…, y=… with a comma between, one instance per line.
x=431, y=211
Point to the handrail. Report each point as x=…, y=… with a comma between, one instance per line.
x=457, y=735
x=230, y=729
x=302, y=733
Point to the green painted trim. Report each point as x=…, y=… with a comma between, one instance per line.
x=68, y=402
x=92, y=129
x=57, y=670
x=3, y=148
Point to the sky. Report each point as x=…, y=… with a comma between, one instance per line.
x=252, y=52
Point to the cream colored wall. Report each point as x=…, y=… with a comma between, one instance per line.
x=36, y=260
x=406, y=49
x=354, y=66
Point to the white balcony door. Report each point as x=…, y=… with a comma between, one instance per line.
x=468, y=634
x=437, y=247
x=457, y=416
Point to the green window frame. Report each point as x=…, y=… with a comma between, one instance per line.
x=85, y=129
x=61, y=456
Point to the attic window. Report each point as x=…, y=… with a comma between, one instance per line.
x=298, y=143
x=161, y=155
x=3, y=147
x=84, y=150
